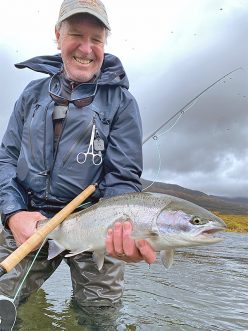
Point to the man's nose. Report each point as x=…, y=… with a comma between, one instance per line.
x=85, y=46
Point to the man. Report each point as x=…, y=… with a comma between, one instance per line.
x=43, y=160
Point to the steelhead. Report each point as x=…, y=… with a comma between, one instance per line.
x=165, y=221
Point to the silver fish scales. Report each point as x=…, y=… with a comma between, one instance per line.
x=165, y=221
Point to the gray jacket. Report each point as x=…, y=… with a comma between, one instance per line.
x=33, y=177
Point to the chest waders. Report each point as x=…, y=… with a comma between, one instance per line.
x=7, y=305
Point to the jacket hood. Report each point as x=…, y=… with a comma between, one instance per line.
x=112, y=71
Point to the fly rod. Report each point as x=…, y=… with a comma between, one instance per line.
x=38, y=237
x=181, y=111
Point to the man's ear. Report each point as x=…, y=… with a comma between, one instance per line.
x=57, y=35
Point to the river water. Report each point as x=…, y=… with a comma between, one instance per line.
x=206, y=289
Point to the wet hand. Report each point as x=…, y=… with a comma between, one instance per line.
x=23, y=225
x=120, y=245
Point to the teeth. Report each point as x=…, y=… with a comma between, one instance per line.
x=82, y=61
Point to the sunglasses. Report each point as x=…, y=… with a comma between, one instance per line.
x=86, y=91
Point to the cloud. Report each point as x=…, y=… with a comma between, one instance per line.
x=171, y=54
x=206, y=149
x=12, y=83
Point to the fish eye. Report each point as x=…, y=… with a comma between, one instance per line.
x=197, y=221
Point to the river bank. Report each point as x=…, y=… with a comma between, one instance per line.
x=235, y=223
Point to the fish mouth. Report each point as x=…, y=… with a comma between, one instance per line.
x=209, y=235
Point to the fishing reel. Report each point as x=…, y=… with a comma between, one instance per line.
x=7, y=313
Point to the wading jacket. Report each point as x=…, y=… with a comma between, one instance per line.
x=34, y=177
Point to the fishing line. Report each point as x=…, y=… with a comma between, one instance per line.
x=28, y=271
x=45, y=230
x=180, y=112
x=180, y=115
x=155, y=138
x=188, y=104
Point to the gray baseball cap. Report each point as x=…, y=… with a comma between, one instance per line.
x=92, y=7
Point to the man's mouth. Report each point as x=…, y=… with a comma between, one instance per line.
x=82, y=61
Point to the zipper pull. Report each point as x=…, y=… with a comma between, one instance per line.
x=44, y=173
x=98, y=143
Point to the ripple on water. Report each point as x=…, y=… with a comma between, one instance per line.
x=205, y=289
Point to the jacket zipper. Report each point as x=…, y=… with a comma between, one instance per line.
x=37, y=106
x=49, y=172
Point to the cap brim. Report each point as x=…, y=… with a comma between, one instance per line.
x=84, y=11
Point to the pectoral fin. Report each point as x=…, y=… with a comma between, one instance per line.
x=137, y=235
x=167, y=257
x=54, y=249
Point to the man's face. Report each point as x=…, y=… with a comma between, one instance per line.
x=81, y=40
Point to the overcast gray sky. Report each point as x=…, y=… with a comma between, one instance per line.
x=172, y=50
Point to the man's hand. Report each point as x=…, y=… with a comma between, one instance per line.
x=23, y=225
x=120, y=245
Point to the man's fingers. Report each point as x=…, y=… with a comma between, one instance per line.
x=118, y=239
x=109, y=242
x=148, y=254
x=129, y=246
x=120, y=244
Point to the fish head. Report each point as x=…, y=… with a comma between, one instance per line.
x=182, y=224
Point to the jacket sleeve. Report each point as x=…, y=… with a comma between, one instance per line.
x=12, y=195
x=123, y=161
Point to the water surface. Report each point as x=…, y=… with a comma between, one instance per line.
x=206, y=289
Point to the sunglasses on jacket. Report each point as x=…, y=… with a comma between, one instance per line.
x=85, y=91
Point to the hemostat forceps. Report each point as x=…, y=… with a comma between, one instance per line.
x=96, y=157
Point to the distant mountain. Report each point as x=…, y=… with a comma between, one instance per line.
x=235, y=206
x=240, y=200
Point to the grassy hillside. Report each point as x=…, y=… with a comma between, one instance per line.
x=235, y=223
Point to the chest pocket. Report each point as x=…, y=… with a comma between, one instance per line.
x=103, y=126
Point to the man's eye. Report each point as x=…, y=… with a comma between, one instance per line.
x=98, y=41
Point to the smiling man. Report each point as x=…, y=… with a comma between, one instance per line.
x=44, y=161
x=82, y=46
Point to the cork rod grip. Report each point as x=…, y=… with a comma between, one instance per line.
x=37, y=238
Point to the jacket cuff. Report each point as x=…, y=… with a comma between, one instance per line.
x=5, y=217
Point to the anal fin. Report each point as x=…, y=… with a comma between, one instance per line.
x=98, y=257
x=167, y=257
